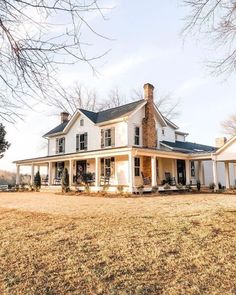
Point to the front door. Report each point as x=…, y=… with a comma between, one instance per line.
x=181, y=172
x=81, y=169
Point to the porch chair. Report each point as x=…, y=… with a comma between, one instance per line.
x=146, y=180
x=104, y=180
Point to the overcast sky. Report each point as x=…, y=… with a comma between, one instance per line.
x=146, y=46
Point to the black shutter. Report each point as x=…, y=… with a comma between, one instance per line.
x=85, y=140
x=57, y=146
x=113, y=136
x=102, y=138
x=77, y=142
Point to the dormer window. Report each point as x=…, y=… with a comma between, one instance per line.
x=60, y=145
x=82, y=122
x=136, y=135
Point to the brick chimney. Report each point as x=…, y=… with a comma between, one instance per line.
x=220, y=141
x=149, y=124
x=64, y=117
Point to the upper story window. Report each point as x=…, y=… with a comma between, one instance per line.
x=136, y=135
x=82, y=122
x=81, y=141
x=163, y=131
x=108, y=137
x=136, y=166
x=60, y=145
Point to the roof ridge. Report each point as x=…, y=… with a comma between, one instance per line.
x=126, y=104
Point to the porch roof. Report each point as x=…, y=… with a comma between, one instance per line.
x=108, y=152
x=188, y=147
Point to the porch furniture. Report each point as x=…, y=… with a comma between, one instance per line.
x=146, y=180
x=3, y=187
x=45, y=180
x=57, y=181
x=169, y=179
x=104, y=180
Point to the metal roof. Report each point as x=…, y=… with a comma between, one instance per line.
x=189, y=147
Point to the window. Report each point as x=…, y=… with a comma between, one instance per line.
x=137, y=135
x=192, y=166
x=60, y=145
x=59, y=166
x=82, y=122
x=81, y=141
x=163, y=131
x=107, y=135
x=136, y=166
x=107, y=166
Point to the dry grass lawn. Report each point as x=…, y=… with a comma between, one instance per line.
x=52, y=244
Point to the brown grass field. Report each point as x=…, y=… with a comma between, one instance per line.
x=52, y=244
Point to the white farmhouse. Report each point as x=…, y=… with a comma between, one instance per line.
x=131, y=145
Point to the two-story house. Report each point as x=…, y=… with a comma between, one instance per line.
x=131, y=145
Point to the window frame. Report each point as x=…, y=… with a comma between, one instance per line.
x=79, y=142
x=60, y=145
x=137, y=166
x=107, y=166
x=107, y=138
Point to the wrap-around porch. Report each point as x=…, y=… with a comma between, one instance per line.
x=126, y=167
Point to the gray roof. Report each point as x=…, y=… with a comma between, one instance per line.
x=102, y=116
x=57, y=129
x=189, y=147
x=111, y=114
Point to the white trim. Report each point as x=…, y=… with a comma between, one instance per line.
x=228, y=143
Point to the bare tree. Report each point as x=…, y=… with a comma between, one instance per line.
x=36, y=37
x=229, y=125
x=217, y=19
x=82, y=97
x=115, y=99
x=167, y=104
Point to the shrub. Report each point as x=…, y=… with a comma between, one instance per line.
x=65, y=181
x=120, y=189
x=37, y=181
x=198, y=185
x=212, y=186
x=167, y=186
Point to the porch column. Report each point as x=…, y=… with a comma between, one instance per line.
x=32, y=175
x=200, y=172
x=97, y=170
x=227, y=179
x=173, y=167
x=234, y=173
x=215, y=176
x=131, y=172
x=17, y=174
x=70, y=172
x=154, y=171
x=187, y=168
x=49, y=173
